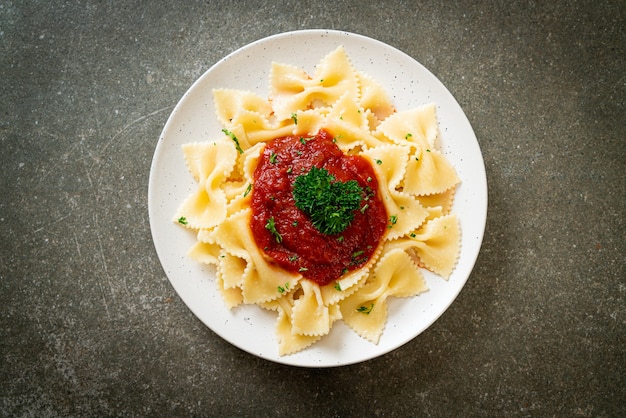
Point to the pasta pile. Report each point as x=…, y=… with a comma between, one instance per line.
x=417, y=186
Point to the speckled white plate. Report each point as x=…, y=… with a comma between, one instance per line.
x=410, y=85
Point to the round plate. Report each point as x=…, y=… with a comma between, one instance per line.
x=409, y=85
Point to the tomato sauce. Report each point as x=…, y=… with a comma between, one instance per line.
x=295, y=244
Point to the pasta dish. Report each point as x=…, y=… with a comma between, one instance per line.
x=321, y=201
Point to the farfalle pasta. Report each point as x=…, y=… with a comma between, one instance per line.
x=268, y=248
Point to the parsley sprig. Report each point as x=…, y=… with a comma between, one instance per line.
x=330, y=204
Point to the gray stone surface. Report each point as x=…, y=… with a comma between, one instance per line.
x=89, y=324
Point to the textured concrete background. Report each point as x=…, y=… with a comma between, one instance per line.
x=89, y=325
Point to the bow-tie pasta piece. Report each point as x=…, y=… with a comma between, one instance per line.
x=292, y=89
x=395, y=275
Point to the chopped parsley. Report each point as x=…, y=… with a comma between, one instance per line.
x=330, y=204
x=356, y=254
x=273, y=157
x=283, y=289
x=294, y=118
x=248, y=190
x=235, y=140
x=182, y=220
x=365, y=309
x=271, y=226
x=358, y=257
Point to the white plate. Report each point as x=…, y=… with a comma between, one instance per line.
x=410, y=85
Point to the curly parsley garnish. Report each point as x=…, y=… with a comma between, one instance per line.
x=330, y=204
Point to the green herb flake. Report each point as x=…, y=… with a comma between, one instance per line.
x=338, y=287
x=271, y=226
x=365, y=309
x=379, y=162
x=235, y=140
x=301, y=269
x=330, y=204
x=294, y=118
x=248, y=190
x=273, y=157
x=408, y=136
x=305, y=139
x=358, y=253
x=283, y=289
x=182, y=220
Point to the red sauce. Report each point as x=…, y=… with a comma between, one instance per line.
x=302, y=248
